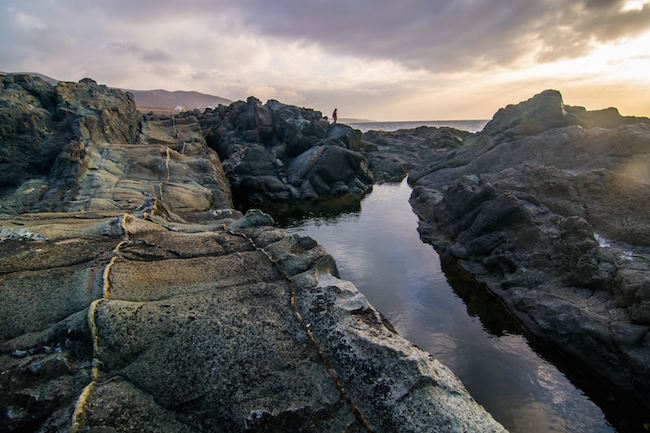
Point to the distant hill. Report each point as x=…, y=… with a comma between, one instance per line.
x=159, y=100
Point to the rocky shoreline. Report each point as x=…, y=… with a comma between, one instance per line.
x=135, y=298
x=548, y=206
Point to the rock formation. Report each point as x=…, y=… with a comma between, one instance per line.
x=280, y=153
x=549, y=207
x=38, y=120
x=135, y=299
x=391, y=155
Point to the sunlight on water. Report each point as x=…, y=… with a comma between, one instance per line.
x=378, y=248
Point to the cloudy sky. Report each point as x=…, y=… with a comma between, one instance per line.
x=375, y=59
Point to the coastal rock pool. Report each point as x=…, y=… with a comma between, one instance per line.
x=434, y=304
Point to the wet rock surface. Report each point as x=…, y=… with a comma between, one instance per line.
x=280, y=153
x=134, y=298
x=548, y=206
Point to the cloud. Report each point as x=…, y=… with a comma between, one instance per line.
x=437, y=35
x=371, y=58
x=446, y=35
x=262, y=92
x=147, y=55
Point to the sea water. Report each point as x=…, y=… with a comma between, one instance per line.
x=466, y=125
x=430, y=302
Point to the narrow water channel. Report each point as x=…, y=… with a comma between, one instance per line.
x=376, y=246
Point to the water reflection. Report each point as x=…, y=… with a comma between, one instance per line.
x=320, y=211
x=480, y=302
x=465, y=327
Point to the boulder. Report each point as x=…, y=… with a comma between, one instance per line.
x=97, y=113
x=96, y=153
x=31, y=136
x=349, y=137
x=270, y=150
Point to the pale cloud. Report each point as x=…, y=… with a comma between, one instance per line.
x=25, y=22
x=263, y=92
x=632, y=5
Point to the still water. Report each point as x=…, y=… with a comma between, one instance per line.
x=376, y=246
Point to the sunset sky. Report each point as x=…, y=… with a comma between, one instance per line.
x=374, y=59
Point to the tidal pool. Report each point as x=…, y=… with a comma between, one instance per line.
x=435, y=305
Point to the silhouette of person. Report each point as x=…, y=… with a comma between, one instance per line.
x=335, y=115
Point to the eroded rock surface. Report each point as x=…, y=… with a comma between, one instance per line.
x=135, y=299
x=44, y=131
x=97, y=158
x=549, y=206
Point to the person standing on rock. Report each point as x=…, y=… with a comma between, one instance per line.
x=335, y=115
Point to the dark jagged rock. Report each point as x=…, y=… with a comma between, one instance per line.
x=135, y=299
x=280, y=153
x=549, y=206
x=393, y=154
x=547, y=111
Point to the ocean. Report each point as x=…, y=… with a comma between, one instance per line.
x=466, y=125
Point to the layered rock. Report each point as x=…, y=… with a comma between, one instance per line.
x=548, y=206
x=39, y=122
x=134, y=298
x=95, y=156
x=280, y=153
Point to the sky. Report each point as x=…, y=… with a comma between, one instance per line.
x=373, y=59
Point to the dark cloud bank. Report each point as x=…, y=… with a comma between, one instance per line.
x=446, y=35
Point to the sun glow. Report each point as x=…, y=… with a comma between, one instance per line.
x=635, y=5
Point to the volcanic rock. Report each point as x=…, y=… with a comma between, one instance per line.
x=280, y=153
x=391, y=155
x=549, y=206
